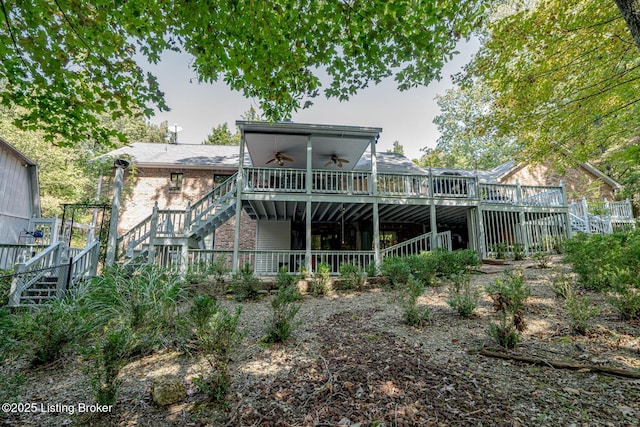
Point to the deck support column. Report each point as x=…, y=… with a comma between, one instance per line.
x=239, y=183
x=523, y=228
x=307, y=215
x=377, y=256
x=434, y=225
x=567, y=216
x=482, y=251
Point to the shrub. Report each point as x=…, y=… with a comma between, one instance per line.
x=518, y=251
x=395, y=270
x=504, y=332
x=509, y=293
x=625, y=298
x=371, y=269
x=201, y=311
x=562, y=286
x=217, y=341
x=353, y=276
x=320, y=281
x=462, y=297
x=280, y=325
x=542, y=259
x=500, y=250
x=581, y=311
x=245, y=285
x=109, y=354
x=5, y=286
x=413, y=316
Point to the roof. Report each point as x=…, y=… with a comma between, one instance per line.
x=390, y=163
x=17, y=153
x=188, y=155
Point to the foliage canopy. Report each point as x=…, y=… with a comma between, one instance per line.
x=67, y=62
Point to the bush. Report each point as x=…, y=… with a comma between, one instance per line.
x=413, y=316
x=371, y=269
x=218, y=340
x=395, y=270
x=109, y=354
x=462, y=297
x=542, y=259
x=245, y=285
x=280, y=325
x=581, y=311
x=562, y=285
x=353, y=276
x=625, y=298
x=518, y=251
x=320, y=281
x=509, y=293
x=504, y=332
x=5, y=286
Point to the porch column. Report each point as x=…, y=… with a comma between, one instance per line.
x=239, y=183
x=112, y=242
x=307, y=215
x=567, y=216
x=482, y=251
x=521, y=218
x=377, y=258
x=434, y=224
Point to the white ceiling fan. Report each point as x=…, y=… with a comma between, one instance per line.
x=335, y=160
x=280, y=158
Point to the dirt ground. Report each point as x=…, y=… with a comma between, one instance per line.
x=352, y=362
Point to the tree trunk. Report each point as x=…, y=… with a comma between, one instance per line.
x=630, y=10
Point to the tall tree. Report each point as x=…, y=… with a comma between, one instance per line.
x=67, y=62
x=464, y=142
x=564, y=76
x=397, y=148
x=221, y=135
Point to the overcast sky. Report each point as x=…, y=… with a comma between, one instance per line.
x=404, y=116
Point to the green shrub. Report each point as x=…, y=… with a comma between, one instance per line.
x=562, y=285
x=5, y=286
x=462, y=297
x=395, y=270
x=201, y=311
x=245, y=285
x=109, y=353
x=518, y=251
x=320, y=282
x=510, y=292
x=353, y=276
x=500, y=250
x=581, y=311
x=542, y=259
x=411, y=314
x=371, y=269
x=217, y=342
x=625, y=298
x=504, y=332
x=280, y=325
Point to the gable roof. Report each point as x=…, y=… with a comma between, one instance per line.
x=26, y=160
x=187, y=155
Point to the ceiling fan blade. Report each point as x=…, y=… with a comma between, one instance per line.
x=344, y=160
x=287, y=158
x=329, y=163
x=270, y=161
x=339, y=163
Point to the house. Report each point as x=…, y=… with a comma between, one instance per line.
x=19, y=195
x=308, y=193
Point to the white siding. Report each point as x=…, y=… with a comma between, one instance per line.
x=16, y=206
x=271, y=235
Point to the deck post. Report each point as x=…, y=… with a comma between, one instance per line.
x=523, y=228
x=481, y=241
x=567, y=217
x=377, y=256
x=153, y=229
x=585, y=210
x=307, y=215
x=239, y=184
x=433, y=224
x=607, y=213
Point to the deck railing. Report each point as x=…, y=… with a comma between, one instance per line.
x=30, y=272
x=12, y=254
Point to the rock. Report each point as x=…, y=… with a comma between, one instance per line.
x=168, y=389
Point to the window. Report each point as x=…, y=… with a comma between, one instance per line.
x=175, y=183
x=219, y=179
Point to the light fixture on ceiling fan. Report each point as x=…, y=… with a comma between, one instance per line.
x=335, y=160
x=280, y=158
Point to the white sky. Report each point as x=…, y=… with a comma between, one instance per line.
x=404, y=116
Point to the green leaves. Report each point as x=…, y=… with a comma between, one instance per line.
x=68, y=62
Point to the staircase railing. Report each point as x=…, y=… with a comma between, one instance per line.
x=208, y=204
x=30, y=272
x=83, y=265
x=134, y=238
x=418, y=244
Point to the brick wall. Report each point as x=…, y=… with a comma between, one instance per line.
x=577, y=181
x=248, y=230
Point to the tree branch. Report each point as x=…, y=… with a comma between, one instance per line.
x=13, y=37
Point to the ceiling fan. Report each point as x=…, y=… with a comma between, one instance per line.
x=280, y=159
x=335, y=160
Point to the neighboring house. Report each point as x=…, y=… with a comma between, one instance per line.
x=310, y=193
x=580, y=181
x=19, y=194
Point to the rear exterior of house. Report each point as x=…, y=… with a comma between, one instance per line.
x=308, y=194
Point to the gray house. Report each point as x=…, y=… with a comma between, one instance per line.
x=19, y=193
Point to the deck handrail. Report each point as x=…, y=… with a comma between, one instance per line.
x=211, y=201
x=84, y=264
x=10, y=253
x=412, y=246
x=28, y=273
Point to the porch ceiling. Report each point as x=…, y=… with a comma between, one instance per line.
x=327, y=212
x=263, y=141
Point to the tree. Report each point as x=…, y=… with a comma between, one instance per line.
x=630, y=10
x=563, y=74
x=221, y=135
x=464, y=143
x=68, y=62
x=397, y=148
